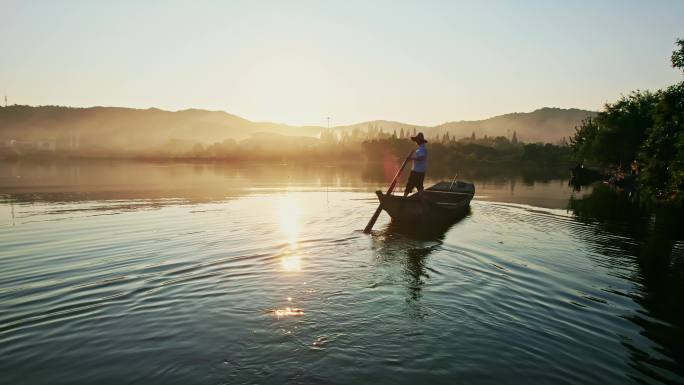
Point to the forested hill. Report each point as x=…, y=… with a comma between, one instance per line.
x=542, y=125
x=141, y=128
x=133, y=128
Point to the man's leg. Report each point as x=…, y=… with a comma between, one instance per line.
x=410, y=184
x=420, y=177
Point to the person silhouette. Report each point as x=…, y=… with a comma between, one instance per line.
x=419, y=166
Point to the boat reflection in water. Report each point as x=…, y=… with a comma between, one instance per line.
x=426, y=231
x=409, y=246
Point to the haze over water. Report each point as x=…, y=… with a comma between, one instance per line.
x=121, y=272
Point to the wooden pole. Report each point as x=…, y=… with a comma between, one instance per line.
x=375, y=216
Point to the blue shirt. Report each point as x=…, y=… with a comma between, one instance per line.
x=420, y=165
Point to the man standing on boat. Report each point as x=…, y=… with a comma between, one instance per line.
x=419, y=165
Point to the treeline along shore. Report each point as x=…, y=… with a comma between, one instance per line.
x=444, y=151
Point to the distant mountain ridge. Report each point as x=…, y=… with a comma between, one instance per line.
x=117, y=127
x=546, y=124
x=542, y=125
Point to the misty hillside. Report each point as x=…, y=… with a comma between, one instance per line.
x=113, y=127
x=133, y=129
x=542, y=125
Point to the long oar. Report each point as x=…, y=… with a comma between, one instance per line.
x=375, y=216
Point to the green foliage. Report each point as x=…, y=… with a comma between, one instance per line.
x=615, y=135
x=545, y=153
x=645, y=126
x=662, y=153
x=584, y=140
x=678, y=55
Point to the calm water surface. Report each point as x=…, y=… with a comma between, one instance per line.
x=220, y=274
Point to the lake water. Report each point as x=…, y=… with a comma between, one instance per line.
x=157, y=273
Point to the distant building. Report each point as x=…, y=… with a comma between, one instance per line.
x=32, y=145
x=67, y=141
x=46, y=145
x=7, y=143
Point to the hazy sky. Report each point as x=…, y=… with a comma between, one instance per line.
x=422, y=62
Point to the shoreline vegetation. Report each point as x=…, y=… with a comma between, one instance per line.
x=641, y=135
x=444, y=152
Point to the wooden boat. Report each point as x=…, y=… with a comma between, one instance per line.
x=443, y=203
x=582, y=176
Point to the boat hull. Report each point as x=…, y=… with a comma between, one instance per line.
x=431, y=207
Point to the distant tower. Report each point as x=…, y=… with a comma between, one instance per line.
x=74, y=141
x=5, y=100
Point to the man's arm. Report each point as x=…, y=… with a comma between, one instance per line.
x=419, y=155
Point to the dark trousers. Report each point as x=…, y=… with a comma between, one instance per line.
x=414, y=180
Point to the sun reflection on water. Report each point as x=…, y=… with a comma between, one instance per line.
x=288, y=311
x=291, y=263
x=290, y=213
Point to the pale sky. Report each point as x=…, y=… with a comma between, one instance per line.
x=297, y=62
